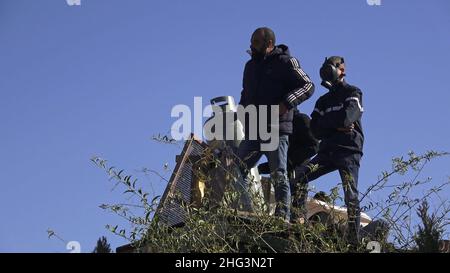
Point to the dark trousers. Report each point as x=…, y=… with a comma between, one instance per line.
x=347, y=163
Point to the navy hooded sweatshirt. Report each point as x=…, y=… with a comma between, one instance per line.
x=274, y=79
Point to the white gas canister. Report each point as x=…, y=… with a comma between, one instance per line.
x=232, y=131
x=225, y=108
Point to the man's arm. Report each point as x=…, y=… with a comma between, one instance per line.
x=243, y=100
x=244, y=93
x=299, y=85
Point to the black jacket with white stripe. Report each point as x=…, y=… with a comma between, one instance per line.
x=340, y=107
x=274, y=79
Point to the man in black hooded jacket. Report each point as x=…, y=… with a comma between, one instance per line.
x=271, y=78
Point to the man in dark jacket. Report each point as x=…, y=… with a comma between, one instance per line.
x=336, y=121
x=271, y=78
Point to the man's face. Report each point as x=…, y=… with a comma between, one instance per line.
x=341, y=71
x=258, y=44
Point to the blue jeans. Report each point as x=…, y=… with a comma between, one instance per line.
x=250, y=153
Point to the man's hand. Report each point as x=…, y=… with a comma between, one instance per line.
x=346, y=129
x=282, y=108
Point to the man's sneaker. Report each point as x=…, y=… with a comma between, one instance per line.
x=246, y=214
x=298, y=221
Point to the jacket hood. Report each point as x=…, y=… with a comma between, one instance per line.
x=280, y=50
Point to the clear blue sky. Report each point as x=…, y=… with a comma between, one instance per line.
x=101, y=79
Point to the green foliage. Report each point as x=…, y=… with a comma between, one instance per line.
x=429, y=235
x=397, y=202
x=220, y=228
x=102, y=246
